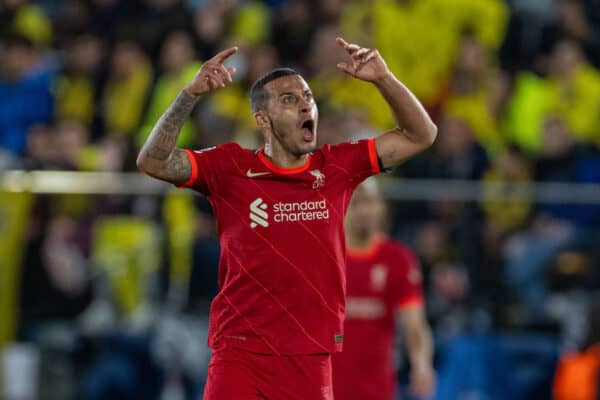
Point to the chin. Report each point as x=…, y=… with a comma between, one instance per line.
x=305, y=148
x=309, y=147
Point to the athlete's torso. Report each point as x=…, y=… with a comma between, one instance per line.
x=282, y=271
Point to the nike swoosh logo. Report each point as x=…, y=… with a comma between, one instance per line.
x=251, y=174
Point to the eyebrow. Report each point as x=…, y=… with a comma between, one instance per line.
x=305, y=91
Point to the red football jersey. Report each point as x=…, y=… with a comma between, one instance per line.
x=282, y=266
x=381, y=279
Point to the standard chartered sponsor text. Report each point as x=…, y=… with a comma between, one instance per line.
x=300, y=211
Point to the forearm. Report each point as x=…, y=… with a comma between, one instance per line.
x=419, y=347
x=161, y=142
x=411, y=117
x=159, y=156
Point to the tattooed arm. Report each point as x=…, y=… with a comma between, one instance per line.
x=159, y=157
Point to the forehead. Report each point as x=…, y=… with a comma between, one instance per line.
x=289, y=83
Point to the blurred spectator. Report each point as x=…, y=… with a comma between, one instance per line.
x=292, y=31
x=25, y=96
x=565, y=160
x=555, y=225
x=56, y=281
x=574, y=91
x=425, y=64
x=577, y=376
x=457, y=154
x=250, y=24
x=209, y=27
x=505, y=216
x=178, y=66
x=571, y=91
x=25, y=18
x=475, y=93
x=76, y=90
x=578, y=20
x=41, y=152
x=70, y=139
x=129, y=81
x=445, y=279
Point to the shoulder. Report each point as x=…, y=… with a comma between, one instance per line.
x=221, y=149
x=355, y=152
x=397, y=251
x=340, y=148
x=228, y=147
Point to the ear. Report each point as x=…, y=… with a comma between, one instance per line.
x=261, y=119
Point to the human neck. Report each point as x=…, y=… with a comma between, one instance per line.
x=359, y=240
x=284, y=159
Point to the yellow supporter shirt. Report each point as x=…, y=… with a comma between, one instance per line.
x=75, y=99
x=419, y=39
x=578, y=102
x=125, y=100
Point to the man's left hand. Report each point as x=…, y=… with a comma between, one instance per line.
x=367, y=64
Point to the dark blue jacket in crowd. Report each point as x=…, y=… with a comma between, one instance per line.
x=22, y=104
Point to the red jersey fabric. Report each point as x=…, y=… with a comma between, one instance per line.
x=381, y=279
x=282, y=266
x=239, y=375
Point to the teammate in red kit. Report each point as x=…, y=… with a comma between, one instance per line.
x=279, y=210
x=383, y=288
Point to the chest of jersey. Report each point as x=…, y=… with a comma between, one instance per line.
x=278, y=205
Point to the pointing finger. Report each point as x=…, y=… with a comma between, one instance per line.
x=350, y=48
x=341, y=42
x=225, y=54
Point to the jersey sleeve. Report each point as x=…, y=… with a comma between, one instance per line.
x=206, y=165
x=357, y=158
x=406, y=288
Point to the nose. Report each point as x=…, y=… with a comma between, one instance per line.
x=304, y=106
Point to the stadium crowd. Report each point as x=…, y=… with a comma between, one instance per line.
x=111, y=287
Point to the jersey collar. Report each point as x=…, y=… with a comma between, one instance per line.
x=280, y=170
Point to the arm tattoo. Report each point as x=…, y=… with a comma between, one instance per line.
x=178, y=169
x=164, y=135
x=160, y=146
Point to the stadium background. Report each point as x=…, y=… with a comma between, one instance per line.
x=106, y=276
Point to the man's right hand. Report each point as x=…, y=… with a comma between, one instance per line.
x=213, y=74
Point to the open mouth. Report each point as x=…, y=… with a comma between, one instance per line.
x=308, y=124
x=308, y=130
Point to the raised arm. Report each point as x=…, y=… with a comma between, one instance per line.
x=159, y=157
x=414, y=131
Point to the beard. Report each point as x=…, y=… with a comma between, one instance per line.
x=289, y=145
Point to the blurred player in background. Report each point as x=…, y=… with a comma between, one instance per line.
x=280, y=308
x=383, y=290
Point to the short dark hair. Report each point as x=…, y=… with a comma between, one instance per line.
x=258, y=94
